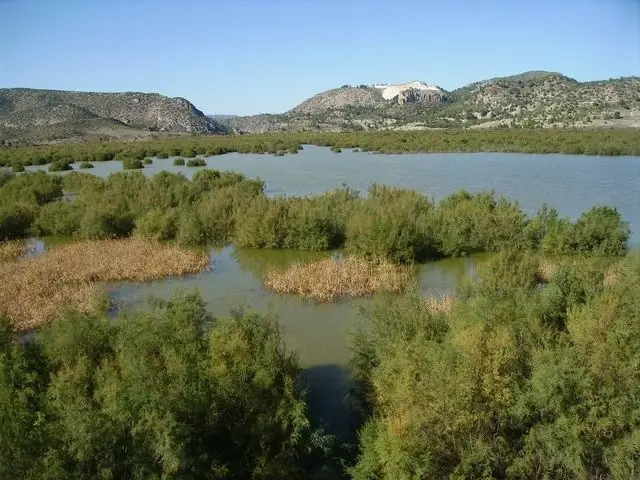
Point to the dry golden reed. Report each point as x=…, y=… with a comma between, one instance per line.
x=33, y=290
x=11, y=249
x=439, y=304
x=329, y=279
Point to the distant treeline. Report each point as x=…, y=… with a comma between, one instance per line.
x=215, y=207
x=588, y=142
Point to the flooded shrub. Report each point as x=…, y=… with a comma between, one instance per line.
x=263, y=224
x=86, y=165
x=162, y=155
x=60, y=166
x=158, y=224
x=17, y=168
x=179, y=162
x=132, y=164
x=147, y=161
x=196, y=162
x=190, y=228
x=392, y=224
x=15, y=220
x=601, y=231
x=58, y=218
x=172, y=362
x=35, y=188
x=105, y=221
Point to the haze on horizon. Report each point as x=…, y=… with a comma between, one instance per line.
x=246, y=57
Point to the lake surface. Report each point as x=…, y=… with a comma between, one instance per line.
x=570, y=183
x=320, y=333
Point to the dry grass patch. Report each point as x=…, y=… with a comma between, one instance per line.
x=35, y=289
x=329, y=279
x=11, y=249
x=439, y=304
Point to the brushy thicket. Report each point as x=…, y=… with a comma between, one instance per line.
x=171, y=393
x=390, y=223
x=514, y=381
x=588, y=142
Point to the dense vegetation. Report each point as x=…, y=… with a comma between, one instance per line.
x=592, y=142
x=399, y=225
x=514, y=382
x=171, y=393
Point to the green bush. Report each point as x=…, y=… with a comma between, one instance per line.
x=179, y=162
x=514, y=381
x=105, y=220
x=60, y=166
x=196, y=162
x=179, y=394
x=132, y=164
x=147, y=161
x=17, y=168
x=86, y=165
x=58, y=218
x=157, y=224
x=15, y=220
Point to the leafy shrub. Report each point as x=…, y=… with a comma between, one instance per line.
x=60, y=166
x=180, y=393
x=132, y=164
x=58, y=218
x=17, y=168
x=86, y=165
x=196, y=162
x=147, y=161
x=179, y=162
x=105, y=220
x=15, y=220
x=157, y=224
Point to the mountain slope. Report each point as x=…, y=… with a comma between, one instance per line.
x=23, y=109
x=530, y=99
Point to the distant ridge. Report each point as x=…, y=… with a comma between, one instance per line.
x=63, y=113
x=532, y=99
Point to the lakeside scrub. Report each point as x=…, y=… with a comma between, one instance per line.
x=394, y=224
x=35, y=289
x=587, y=142
x=330, y=279
x=508, y=380
x=167, y=393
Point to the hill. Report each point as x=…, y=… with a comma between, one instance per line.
x=41, y=115
x=535, y=99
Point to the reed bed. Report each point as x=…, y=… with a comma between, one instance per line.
x=11, y=249
x=439, y=304
x=35, y=289
x=330, y=279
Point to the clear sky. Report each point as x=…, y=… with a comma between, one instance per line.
x=259, y=56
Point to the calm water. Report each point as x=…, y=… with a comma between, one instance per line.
x=320, y=333
x=570, y=183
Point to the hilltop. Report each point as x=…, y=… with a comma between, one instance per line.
x=535, y=99
x=42, y=115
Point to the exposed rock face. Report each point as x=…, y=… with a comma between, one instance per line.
x=414, y=95
x=25, y=108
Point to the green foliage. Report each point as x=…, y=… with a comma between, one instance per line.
x=158, y=224
x=17, y=168
x=61, y=166
x=178, y=162
x=132, y=164
x=515, y=381
x=147, y=161
x=170, y=393
x=86, y=165
x=58, y=218
x=99, y=221
x=15, y=220
x=196, y=162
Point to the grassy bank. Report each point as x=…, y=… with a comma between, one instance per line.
x=34, y=290
x=588, y=142
x=330, y=279
x=11, y=250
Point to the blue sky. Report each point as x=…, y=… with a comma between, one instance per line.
x=259, y=56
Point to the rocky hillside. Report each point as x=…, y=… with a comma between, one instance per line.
x=55, y=113
x=533, y=99
x=371, y=96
